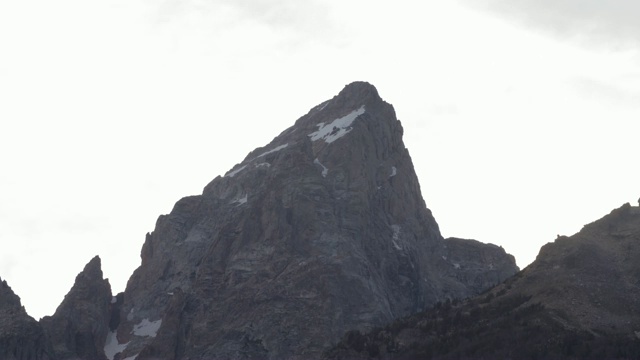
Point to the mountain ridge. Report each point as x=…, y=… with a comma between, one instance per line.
x=305, y=205
x=577, y=300
x=321, y=231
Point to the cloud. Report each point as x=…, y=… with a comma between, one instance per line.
x=611, y=23
x=284, y=13
x=308, y=19
x=599, y=90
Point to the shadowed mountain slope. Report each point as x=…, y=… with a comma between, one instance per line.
x=81, y=322
x=21, y=337
x=579, y=299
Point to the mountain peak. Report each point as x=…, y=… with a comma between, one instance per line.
x=84, y=314
x=325, y=225
x=20, y=335
x=93, y=268
x=360, y=90
x=8, y=299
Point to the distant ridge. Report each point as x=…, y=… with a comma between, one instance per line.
x=578, y=300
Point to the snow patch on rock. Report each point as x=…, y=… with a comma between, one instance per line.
x=235, y=172
x=394, y=172
x=337, y=128
x=323, y=105
x=147, y=328
x=325, y=171
x=112, y=347
x=272, y=150
x=242, y=200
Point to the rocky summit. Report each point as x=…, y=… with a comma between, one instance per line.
x=322, y=231
x=80, y=324
x=578, y=300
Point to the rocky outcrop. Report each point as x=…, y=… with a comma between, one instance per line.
x=21, y=337
x=321, y=231
x=596, y=274
x=79, y=327
x=577, y=300
x=477, y=266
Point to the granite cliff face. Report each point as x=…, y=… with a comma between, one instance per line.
x=321, y=231
x=21, y=337
x=577, y=300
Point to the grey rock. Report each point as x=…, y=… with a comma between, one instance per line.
x=79, y=326
x=478, y=266
x=321, y=231
x=595, y=274
x=21, y=337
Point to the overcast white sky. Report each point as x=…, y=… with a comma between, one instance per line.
x=521, y=116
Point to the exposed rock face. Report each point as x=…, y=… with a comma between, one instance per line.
x=21, y=337
x=578, y=300
x=80, y=324
x=321, y=231
x=595, y=273
x=476, y=265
